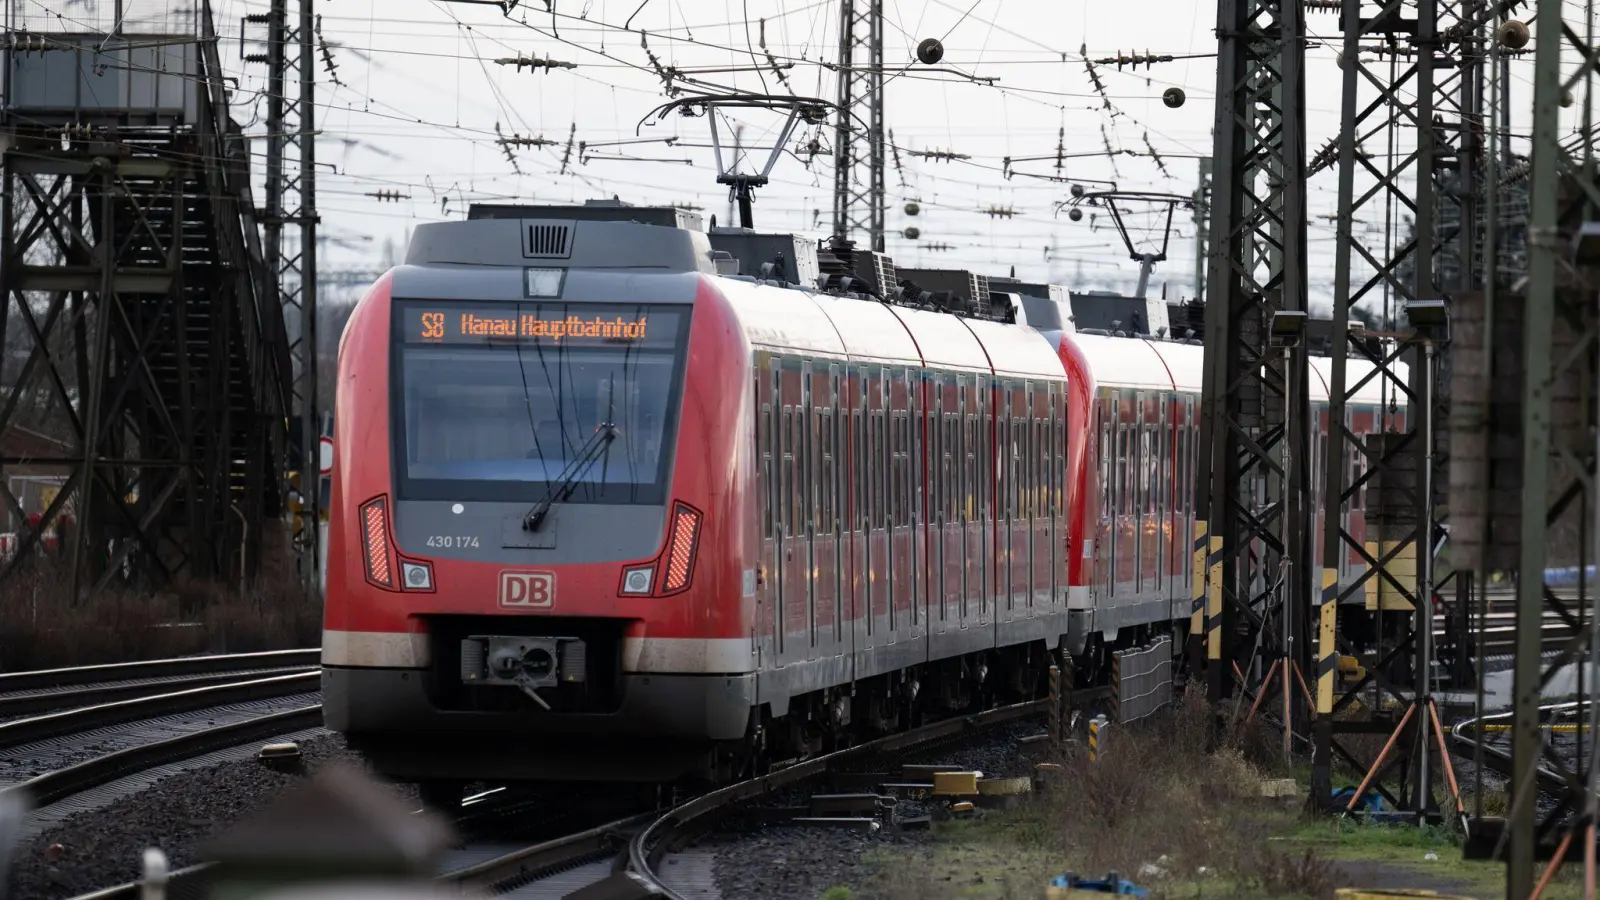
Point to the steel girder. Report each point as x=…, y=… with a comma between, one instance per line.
x=859, y=203
x=136, y=337
x=1415, y=78
x=131, y=349
x=1252, y=533
x=1558, y=419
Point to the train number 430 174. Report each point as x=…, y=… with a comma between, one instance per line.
x=447, y=540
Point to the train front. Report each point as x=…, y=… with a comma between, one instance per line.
x=521, y=582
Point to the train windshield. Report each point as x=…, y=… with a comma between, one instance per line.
x=500, y=401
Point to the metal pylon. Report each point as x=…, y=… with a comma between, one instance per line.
x=1252, y=512
x=1410, y=127
x=858, y=178
x=291, y=211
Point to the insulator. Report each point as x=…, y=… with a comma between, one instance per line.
x=1173, y=97
x=913, y=233
x=1075, y=214
x=930, y=51
x=1512, y=34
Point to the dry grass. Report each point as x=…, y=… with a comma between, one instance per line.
x=41, y=627
x=1157, y=797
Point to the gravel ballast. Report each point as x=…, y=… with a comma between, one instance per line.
x=785, y=862
x=94, y=850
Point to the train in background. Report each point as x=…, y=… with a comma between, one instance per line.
x=615, y=498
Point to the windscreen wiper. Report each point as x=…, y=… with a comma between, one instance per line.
x=563, y=486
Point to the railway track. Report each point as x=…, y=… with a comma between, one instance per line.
x=1500, y=633
x=631, y=848
x=85, y=740
x=32, y=693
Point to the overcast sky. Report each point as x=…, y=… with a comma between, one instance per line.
x=419, y=98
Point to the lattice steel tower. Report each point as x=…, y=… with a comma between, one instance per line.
x=290, y=58
x=858, y=195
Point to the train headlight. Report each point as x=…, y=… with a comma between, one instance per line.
x=545, y=282
x=637, y=581
x=418, y=576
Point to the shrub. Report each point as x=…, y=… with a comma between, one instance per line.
x=41, y=626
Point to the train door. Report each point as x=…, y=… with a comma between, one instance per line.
x=980, y=531
x=1042, y=504
x=971, y=531
x=877, y=477
x=806, y=465
x=1106, y=531
x=793, y=563
x=952, y=538
x=1017, y=529
x=825, y=527
x=1026, y=482
x=853, y=513
x=933, y=503
x=916, y=494
x=1161, y=489
x=903, y=587
x=1191, y=486
x=770, y=638
x=1177, y=534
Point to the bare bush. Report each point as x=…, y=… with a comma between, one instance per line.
x=1162, y=806
x=42, y=627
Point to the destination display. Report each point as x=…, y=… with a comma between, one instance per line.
x=457, y=325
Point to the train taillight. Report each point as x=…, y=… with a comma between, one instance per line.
x=681, y=549
x=383, y=559
x=375, y=539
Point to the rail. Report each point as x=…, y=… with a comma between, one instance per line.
x=636, y=843
x=157, y=668
x=1497, y=758
x=38, y=728
x=52, y=787
x=650, y=843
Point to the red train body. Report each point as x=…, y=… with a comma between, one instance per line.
x=793, y=516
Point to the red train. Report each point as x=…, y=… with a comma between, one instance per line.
x=604, y=508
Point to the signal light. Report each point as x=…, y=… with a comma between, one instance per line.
x=681, y=548
x=375, y=537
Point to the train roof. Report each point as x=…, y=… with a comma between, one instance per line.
x=787, y=318
x=1142, y=363
x=496, y=242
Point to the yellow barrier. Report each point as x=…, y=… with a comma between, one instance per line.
x=1386, y=894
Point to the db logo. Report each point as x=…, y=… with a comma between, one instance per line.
x=527, y=590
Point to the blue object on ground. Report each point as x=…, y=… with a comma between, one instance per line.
x=1111, y=884
x=1372, y=802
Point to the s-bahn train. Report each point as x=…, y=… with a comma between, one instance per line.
x=604, y=508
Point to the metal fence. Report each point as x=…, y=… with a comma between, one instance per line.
x=1141, y=681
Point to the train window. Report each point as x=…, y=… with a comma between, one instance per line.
x=1152, y=473
x=851, y=501
x=831, y=464
x=1180, y=499
x=875, y=474
x=904, y=518
x=952, y=468
x=455, y=441
x=812, y=496
x=786, y=470
x=1106, y=452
